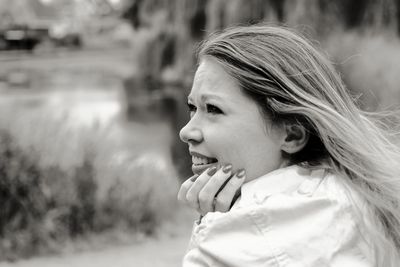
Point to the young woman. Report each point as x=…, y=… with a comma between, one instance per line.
x=288, y=171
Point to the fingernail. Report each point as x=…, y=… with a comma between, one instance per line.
x=194, y=177
x=212, y=171
x=240, y=174
x=227, y=168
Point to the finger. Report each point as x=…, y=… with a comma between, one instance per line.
x=229, y=193
x=185, y=187
x=192, y=195
x=210, y=190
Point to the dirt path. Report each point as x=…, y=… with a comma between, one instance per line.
x=166, y=251
x=151, y=253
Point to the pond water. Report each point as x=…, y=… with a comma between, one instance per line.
x=78, y=90
x=84, y=96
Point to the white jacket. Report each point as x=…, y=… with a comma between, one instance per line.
x=291, y=217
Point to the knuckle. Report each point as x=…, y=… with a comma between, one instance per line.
x=192, y=190
x=222, y=207
x=213, y=181
x=221, y=177
x=214, y=184
x=204, y=198
x=221, y=201
x=203, y=177
x=187, y=184
x=206, y=191
x=227, y=195
x=234, y=184
x=200, y=183
x=190, y=198
x=227, y=192
x=211, y=184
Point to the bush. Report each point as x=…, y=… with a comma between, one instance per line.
x=85, y=185
x=23, y=202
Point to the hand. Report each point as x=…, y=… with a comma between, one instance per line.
x=213, y=190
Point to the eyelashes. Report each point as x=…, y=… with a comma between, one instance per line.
x=211, y=109
x=191, y=107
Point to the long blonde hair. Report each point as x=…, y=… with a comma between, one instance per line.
x=290, y=80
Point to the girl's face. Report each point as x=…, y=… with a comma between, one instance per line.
x=226, y=126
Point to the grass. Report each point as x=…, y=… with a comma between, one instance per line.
x=59, y=184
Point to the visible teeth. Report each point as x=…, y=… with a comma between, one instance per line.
x=201, y=161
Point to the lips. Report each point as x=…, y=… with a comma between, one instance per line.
x=201, y=162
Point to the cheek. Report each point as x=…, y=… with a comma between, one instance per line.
x=225, y=143
x=233, y=147
x=255, y=151
x=244, y=145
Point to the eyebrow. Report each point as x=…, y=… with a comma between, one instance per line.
x=205, y=97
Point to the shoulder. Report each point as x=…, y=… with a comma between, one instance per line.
x=309, y=191
x=315, y=222
x=321, y=197
x=318, y=223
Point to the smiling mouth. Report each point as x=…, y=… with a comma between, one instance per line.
x=200, y=164
x=199, y=161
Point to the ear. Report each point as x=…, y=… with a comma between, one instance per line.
x=296, y=138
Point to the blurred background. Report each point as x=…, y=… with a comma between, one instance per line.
x=92, y=97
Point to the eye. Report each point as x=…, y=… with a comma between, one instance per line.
x=192, y=108
x=213, y=109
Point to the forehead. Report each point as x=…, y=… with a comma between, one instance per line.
x=211, y=80
x=210, y=69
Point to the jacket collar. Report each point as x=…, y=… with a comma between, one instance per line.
x=284, y=180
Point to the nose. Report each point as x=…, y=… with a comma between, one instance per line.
x=191, y=133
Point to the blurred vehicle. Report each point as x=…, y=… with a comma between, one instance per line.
x=66, y=34
x=21, y=37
